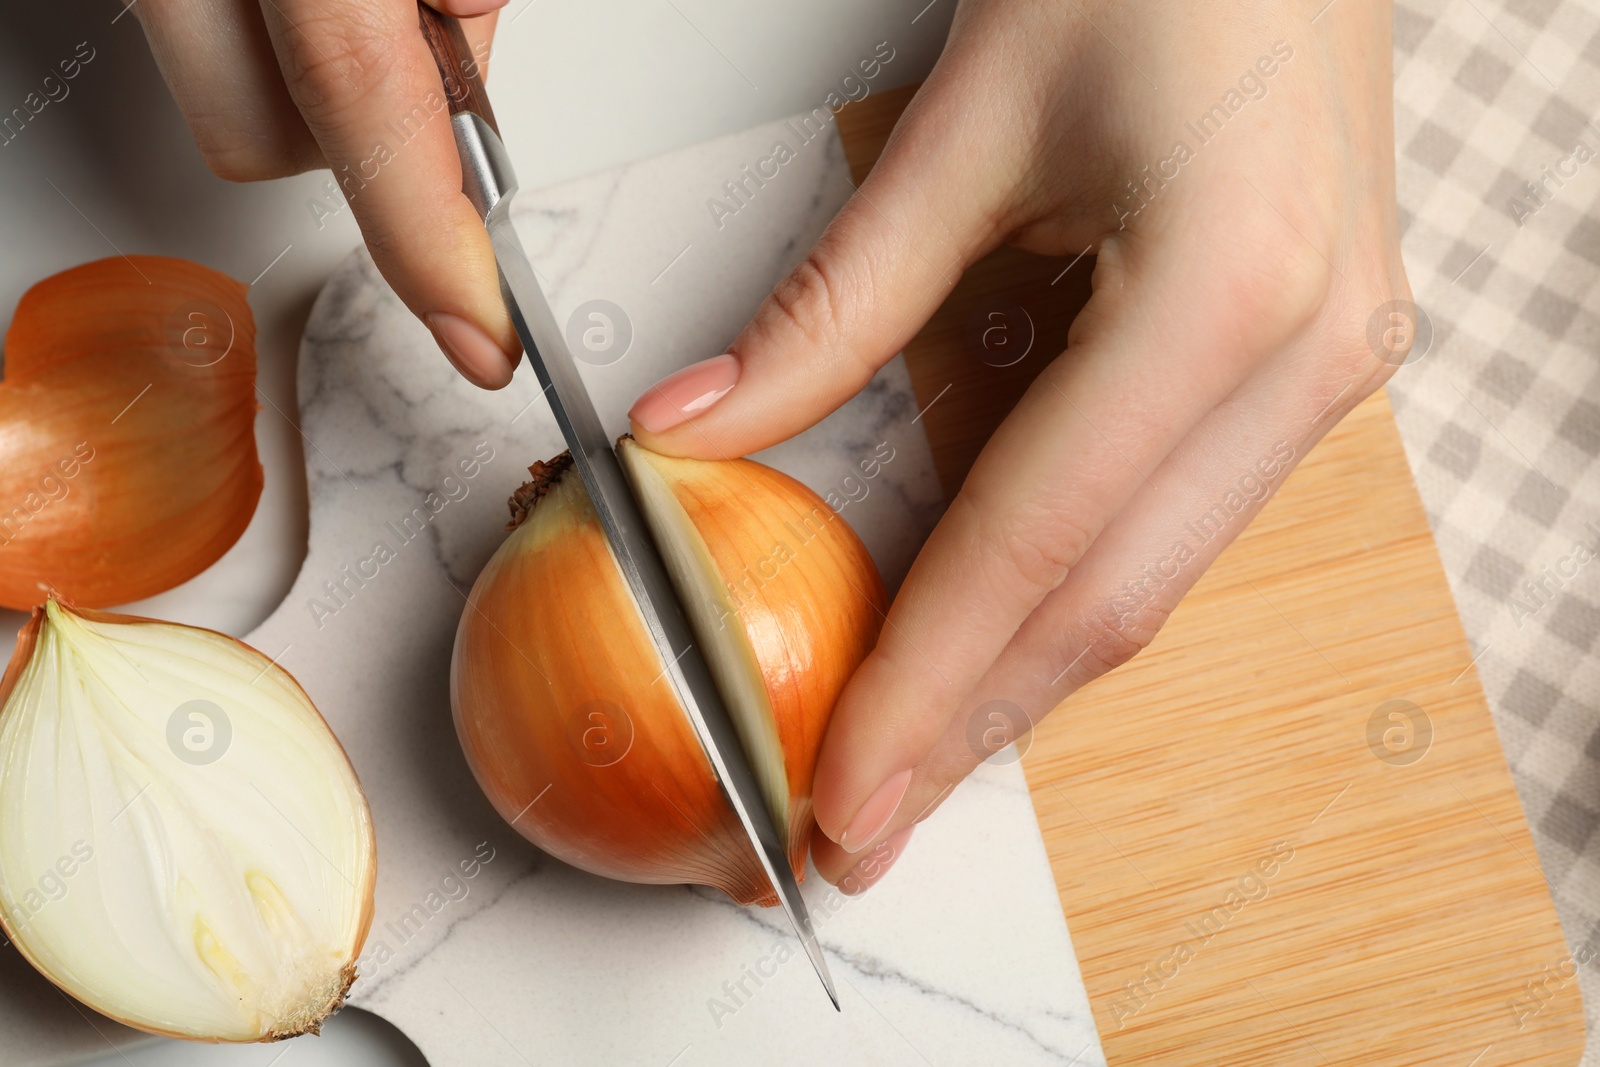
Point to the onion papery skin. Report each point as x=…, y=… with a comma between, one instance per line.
x=222, y=901
x=559, y=696
x=128, y=459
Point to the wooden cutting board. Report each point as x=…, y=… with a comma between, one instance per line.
x=1261, y=858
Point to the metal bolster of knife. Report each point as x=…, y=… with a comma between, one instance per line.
x=486, y=175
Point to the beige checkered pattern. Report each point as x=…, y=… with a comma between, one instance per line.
x=1501, y=419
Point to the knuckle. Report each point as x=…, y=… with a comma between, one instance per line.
x=340, y=56
x=1288, y=283
x=1280, y=286
x=1115, y=635
x=806, y=301
x=1349, y=342
x=1029, y=550
x=1268, y=266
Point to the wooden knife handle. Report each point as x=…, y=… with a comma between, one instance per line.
x=459, y=69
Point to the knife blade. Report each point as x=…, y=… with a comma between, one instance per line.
x=489, y=182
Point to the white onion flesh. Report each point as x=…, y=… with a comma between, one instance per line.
x=202, y=870
x=714, y=617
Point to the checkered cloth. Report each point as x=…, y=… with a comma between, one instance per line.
x=1501, y=419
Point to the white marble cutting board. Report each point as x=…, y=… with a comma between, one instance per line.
x=960, y=956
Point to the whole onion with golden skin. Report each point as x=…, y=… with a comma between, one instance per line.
x=561, y=700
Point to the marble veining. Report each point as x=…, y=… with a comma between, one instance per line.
x=960, y=956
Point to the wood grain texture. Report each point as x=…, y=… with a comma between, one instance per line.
x=459, y=71
x=1224, y=791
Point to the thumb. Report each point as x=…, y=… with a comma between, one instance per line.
x=877, y=274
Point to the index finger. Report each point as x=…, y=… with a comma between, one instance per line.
x=362, y=76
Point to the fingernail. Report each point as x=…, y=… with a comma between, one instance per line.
x=469, y=349
x=681, y=396
x=466, y=9
x=875, y=814
x=870, y=871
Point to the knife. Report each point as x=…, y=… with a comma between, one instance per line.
x=488, y=181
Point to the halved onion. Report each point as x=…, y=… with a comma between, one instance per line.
x=183, y=843
x=127, y=431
